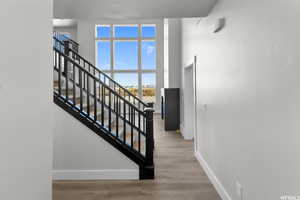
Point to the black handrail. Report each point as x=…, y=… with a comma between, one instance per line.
x=66, y=38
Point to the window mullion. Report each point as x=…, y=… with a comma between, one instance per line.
x=140, y=90
x=112, y=52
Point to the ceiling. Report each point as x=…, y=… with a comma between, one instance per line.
x=127, y=9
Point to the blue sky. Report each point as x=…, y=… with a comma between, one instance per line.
x=126, y=53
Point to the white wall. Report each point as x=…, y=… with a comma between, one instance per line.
x=86, y=40
x=25, y=99
x=248, y=75
x=81, y=154
x=175, y=71
x=166, y=53
x=174, y=53
x=188, y=103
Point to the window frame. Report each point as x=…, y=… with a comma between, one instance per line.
x=139, y=40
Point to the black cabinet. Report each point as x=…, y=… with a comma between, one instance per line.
x=170, y=108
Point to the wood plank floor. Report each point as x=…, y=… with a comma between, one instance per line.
x=178, y=177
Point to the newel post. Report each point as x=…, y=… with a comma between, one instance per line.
x=147, y=170
x=151, y=104
x=149, y=135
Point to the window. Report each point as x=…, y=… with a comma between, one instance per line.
x=124, y=31
x=128, y=54
x=148, y=83
x=148, y=54
x=129, y=81
x=103, y=32
x=148, y=31
x=103, y=55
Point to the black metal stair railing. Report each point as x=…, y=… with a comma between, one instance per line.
x=104, y=77
x=105, y=106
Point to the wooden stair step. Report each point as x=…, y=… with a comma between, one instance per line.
x=136, y=146
x=64, y=91
x=56, y=84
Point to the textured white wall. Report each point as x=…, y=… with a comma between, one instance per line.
x=25, y=99
x=248, y=75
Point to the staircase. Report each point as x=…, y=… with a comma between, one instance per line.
x=103, y=105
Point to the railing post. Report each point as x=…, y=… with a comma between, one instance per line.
x=66, y=52
x=148, y=172
x=151, y=104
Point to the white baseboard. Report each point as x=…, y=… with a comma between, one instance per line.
x=106, y=174
x=212, y=177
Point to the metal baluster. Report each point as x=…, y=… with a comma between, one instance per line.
x=55, y=59
x=88, y=94
x=99, y=91
x=84, y=77
x=114, y=98
x=95, y=99
x=109, y=114
x=117, y=117
x=80, y=87
x=59, y=74
x=103, y=102
x=139, y=139
x=133, y=116
x=67, y=80
x=66, y=70
x=131, y=121
x=74, y=86
x=124, y=110
x=144, y=124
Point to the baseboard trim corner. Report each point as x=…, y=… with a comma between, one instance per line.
x=107, y=174
x=212, y=177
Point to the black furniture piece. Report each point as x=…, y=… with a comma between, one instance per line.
x=170, y=108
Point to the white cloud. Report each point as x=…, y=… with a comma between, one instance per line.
x=150, y=49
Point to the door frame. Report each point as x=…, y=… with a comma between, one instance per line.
x=191, y=68
x=195, y=102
